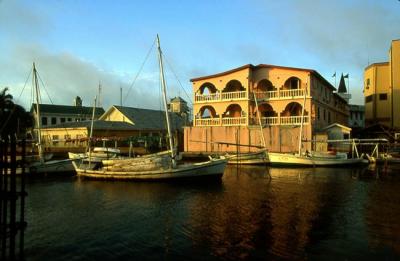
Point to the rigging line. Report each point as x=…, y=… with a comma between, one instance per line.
x=15, y=104
x=44, y=87
x=140, y=70
x=176, y=76
x=29, y=76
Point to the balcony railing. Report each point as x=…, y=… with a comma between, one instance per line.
x=242, y=95
x=240, y=121
x=282, y=94
x=220, y=96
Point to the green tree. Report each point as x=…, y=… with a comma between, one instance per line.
x=13, y=117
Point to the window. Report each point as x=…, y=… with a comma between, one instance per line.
x=329, y=117
x=369, y=98
x=318, y=113
x=44, y=121
x=53, y=120
x=55, y=139
x=69, y=119
x=383, y=96
x=62, y=120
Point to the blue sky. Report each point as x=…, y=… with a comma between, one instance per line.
x=77, y=44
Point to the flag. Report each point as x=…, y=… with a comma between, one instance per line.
x=334, y=75
x=346, y=76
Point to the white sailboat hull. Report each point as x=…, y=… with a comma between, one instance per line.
x=209, y=169
x=284, y=159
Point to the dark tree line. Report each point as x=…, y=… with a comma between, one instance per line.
x=13, y=117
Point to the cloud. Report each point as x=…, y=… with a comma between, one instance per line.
x=65, y=76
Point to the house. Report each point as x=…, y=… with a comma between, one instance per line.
x=228, y=105
x=118, y=123
x=51, y=114
x=382, y=91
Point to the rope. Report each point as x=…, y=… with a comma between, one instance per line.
x=140, y=70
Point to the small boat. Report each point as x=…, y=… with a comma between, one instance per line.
x=287, y=159
x=250, y=158
x=159, y=166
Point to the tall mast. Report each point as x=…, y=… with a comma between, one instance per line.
x=91, y=130
x=38, y=130
x=259, y=122
x=164, y=89
x=302, y=119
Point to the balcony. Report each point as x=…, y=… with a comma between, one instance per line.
x=242, y=121
x=220, y=96
x=281, y=94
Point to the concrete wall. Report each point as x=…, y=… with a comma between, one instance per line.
x=278, y=139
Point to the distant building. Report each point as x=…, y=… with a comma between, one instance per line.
x=51, y=114
x=382, y=91
x=357, y=116
x=117, y=123
x=179, y=106
x=225, y=108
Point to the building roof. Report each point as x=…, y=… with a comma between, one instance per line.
x=337, y=125
x=67, y=109
x=147, y=119
x=251, y=66
x=376, y=64
x=178, y=99
x=97, y=125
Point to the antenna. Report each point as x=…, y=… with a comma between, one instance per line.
x=99, y=99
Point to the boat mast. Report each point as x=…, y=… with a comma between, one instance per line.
x=91, y=130
x=302, y=120
x=38, y=129
x=259, y=122
x=164, y=90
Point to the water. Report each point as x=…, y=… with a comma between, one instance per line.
x=253, y=213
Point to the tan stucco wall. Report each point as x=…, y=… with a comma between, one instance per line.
x=205, y=139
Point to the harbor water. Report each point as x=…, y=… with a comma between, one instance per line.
x=253, y=213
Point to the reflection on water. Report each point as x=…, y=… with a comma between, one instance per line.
x=253, y=213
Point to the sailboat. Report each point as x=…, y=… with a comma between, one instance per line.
x=160, y=166
x=312, y=159
x=42, y=165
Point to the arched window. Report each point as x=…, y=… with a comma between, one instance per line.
x=233, y=86
x=207, y=88
x=233, y=110
x=207, y=112
x=266, y=110
x=292, y=83
x=265, y=86
x=293, y=109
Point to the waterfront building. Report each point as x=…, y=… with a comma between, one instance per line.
x=117, y=123
x=225, y=111
x=179, y=106
x=357, y=116
x=382, y=91
x=51, y=114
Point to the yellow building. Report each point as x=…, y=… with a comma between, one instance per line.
x=382, y=90
x=225, y=108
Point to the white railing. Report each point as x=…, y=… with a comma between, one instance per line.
x=291, y=93
x=233, y=121
x=208, y=122
x=237, y=121
x=293, y=120
x=270, y=120
x=220, y=96
x=267, y=95
x=233, y=95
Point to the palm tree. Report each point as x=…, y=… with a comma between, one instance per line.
x=13, y=117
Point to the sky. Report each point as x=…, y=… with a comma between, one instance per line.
x=77, y=45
